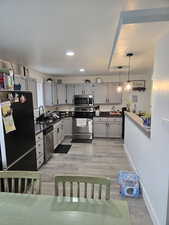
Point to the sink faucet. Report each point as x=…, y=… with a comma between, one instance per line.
x=43, y=110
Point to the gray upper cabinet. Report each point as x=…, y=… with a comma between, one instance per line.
x=61, y=93
x=70, y=92
x=48, y=93
x=114, y=96
x=84, y=89
x=54, y=93
x=88, y=89
x=106, y=93
x=32, y=86
x=79, y=89
x=100, y=93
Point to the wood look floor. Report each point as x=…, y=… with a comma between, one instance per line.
x=101, y=158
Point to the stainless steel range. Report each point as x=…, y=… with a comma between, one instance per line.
x=82, y=127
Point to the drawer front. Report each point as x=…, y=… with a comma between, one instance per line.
x=39, y=148
x=40, y=161
x=39, y=137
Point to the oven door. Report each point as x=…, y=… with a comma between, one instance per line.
x=82, y=128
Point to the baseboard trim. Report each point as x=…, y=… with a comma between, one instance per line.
x=146, y=198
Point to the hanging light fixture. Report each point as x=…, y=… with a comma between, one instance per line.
x=129, y=83
x=119, y=87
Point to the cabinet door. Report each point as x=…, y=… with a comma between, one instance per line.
x=114, y=130
x=79, y=89
x=54, y=93
x=48, y=95
x=114, y=96
x=67, y=126
x=100, y=129
x=70, y=92
x=55, y=138
x=32, y=86
x=61, y=93
x=88, y=89
x=100, y=93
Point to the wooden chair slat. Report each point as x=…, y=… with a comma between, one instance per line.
x=92, y=191
x=17, y=181
x=78, y=189
x=100, y=191
x=84, y=180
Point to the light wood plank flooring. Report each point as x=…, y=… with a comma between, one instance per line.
x=101, y=158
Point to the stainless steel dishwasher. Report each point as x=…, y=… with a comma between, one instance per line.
x=48, y=142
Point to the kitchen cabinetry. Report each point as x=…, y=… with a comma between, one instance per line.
x=58, y=133
x=48, y=93
x=54, y=94
x=32, y=86
x=113, y=96
x=61, y=94
x=108, y=127
x=100, y=93
x=79, y=89
x=39, y=150
x=67, y=126
x=70, y=92
x=84, y=89
x=106, y=93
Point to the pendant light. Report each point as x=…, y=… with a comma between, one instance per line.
x=119, y=87
x=129, y=84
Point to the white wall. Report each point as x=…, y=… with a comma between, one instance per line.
x=150, y=157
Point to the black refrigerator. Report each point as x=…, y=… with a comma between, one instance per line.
x=17, y=145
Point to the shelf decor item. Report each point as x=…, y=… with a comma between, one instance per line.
x=138, y=85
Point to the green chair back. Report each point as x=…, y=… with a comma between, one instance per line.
x=20, y=182
x=88, y=185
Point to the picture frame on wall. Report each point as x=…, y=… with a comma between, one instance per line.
x=139, y=85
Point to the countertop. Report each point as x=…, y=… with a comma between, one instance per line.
x=39, y=127
x=109, y=114
x=139, y=123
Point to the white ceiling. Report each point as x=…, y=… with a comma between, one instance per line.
x=37, y=33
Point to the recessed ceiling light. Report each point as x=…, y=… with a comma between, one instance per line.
x=70, y=53
x=82, y=70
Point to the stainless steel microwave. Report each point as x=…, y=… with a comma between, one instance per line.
x=83, y=100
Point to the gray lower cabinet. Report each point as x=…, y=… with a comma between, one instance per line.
x=58, y=133
x=107, y=127
x=100, y=129
x=67, y=126
x=39, y=150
